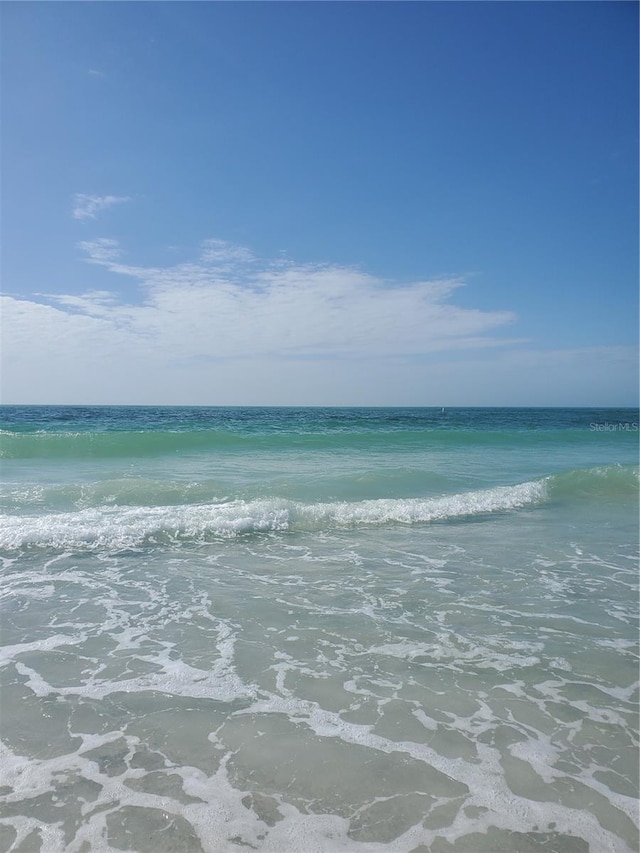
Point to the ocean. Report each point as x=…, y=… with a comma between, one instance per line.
x=296, y=630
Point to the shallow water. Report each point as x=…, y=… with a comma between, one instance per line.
x=342, y=630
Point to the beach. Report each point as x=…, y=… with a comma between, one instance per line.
x=293, y=630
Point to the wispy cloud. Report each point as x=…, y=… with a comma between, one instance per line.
x=104, y=250
x=220, y=252
x=229, y=303
x=229, y=327
x=89, y=206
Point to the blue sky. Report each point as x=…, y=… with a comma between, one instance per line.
x=320, y=203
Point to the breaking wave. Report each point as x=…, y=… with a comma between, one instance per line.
x=115, y=527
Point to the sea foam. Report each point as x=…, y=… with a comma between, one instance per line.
x=125, y=527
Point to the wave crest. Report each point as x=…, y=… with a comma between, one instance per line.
x=115, y=528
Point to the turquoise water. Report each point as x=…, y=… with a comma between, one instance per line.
x=319, y=629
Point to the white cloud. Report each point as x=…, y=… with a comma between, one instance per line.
x=228, y=304
x=228, y=328
x=220, y=252
x=104, y=250
x=89, y=206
